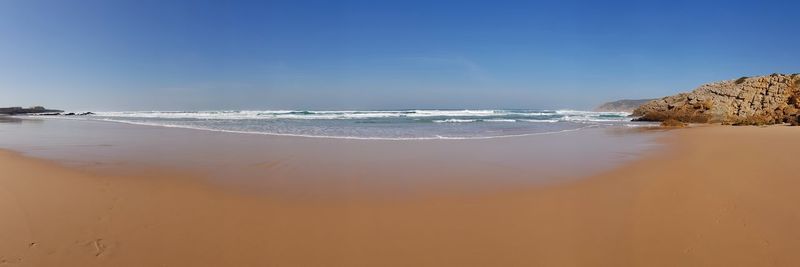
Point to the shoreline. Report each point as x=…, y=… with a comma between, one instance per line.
x=333, y=137
x=324, y=168
x=393, y=125
x=698, y=202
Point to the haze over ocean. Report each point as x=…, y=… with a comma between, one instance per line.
x=328, y=55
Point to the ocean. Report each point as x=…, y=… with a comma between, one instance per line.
x=378, y=124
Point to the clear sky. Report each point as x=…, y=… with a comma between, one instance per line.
x=197, y=55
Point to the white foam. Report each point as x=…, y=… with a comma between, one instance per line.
x=453, y=121
x=437, y=137
x=543, y=120
x=316, y=115
x=227, y=121
x=500, y=120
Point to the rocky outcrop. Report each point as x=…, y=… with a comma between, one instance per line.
x=65, y=114
x=31, y=110
x=748, y=100
x=625, y=105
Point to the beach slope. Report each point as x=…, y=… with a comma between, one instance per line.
x=718, y=196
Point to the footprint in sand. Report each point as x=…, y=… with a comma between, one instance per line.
x=99, y=247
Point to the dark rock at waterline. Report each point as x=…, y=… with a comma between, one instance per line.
x=65, y=114
x=31, y=110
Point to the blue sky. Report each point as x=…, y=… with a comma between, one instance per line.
x=195, y=55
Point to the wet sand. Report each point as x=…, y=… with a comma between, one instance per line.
x=323, y=168
x=716, y=196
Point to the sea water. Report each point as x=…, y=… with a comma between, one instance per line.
x=544, y=146
x=378, y=124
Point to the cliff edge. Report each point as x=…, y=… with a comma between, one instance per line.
x=756, y=100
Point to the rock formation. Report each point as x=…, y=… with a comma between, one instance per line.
x=748, y=100
x=625, y=105
x=31, y=110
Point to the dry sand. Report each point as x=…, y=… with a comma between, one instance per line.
x=719, y=196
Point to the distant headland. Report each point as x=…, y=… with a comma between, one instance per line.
x=31, y=110
x=625, y=105
x=39, y=111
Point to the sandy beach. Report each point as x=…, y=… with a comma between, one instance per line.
x=399, y=133
x=703, y=200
